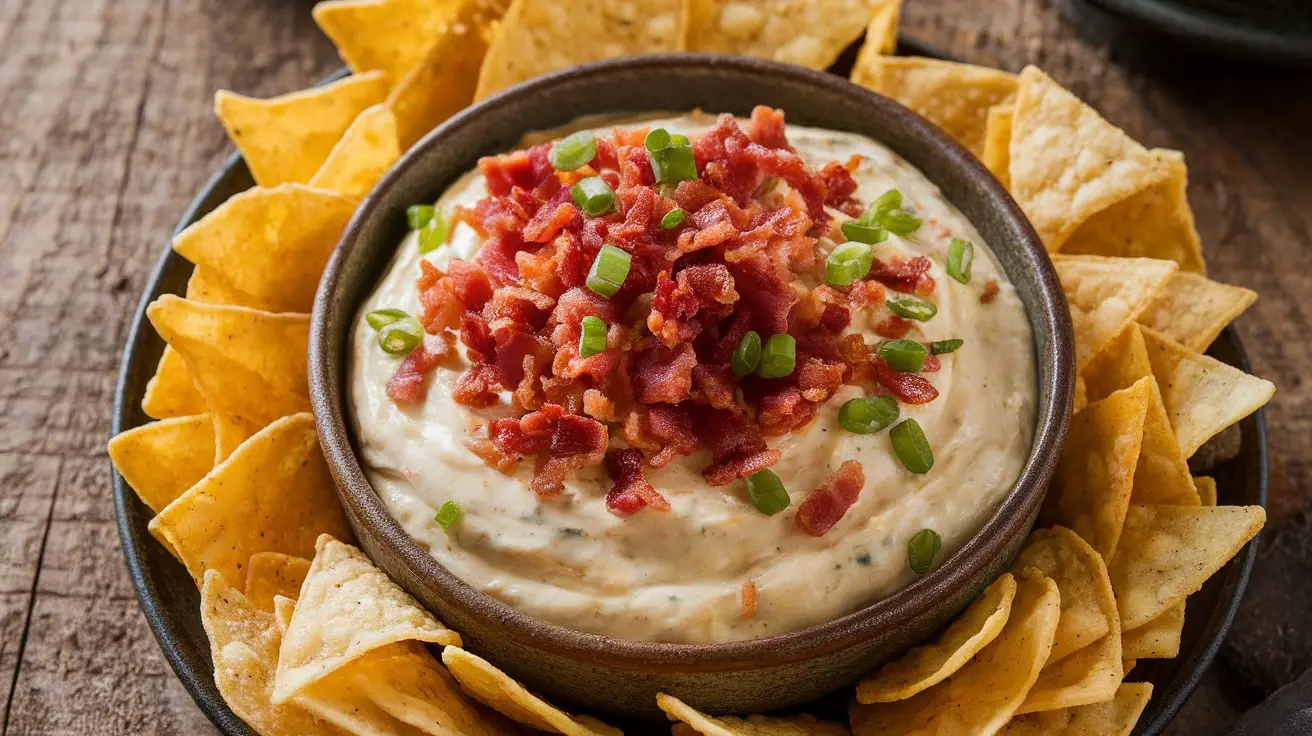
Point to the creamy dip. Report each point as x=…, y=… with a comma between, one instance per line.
x=677, y=576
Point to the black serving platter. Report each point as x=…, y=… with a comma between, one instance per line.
x=171, y=603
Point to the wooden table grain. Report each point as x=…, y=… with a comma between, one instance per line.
x=106, y=132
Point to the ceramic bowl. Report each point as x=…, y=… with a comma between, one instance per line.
x=617, y=676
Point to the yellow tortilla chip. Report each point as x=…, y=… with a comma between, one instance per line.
x=1206, y=490
x=383, y=35
x=983, y=695
x=244, y=646
x=347, y=608
x=1087, y=605
x=1157, y=639
x=161, y=460
x=1095, y=475
x=207, y=287
x=955, y=97
x=811, y=33
x=411, y=686
x=1193, y=309
x=1114, y=717
x=1106, y=294
x=447, y=75
x=286, y=139
x=881, y=32
x=930, y=664
x=1127, y=664
x=1168, y=552
x=700, y=723
x=273, y=574
x=541, y=36
x=171, y=392
x=1155, y=222
x=495, y=689
x=366, y=151
x=1202, y=395
x=996, y=154
x=270, y=243
x=1067, y=162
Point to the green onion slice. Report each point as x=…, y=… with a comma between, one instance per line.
x=447, y=515
x=673, y=219
x=380, y=318
x=593, y=195
x=778, y=357
x=922, y=549
x=767, y=492
x=657, y=139
x=868, y=415
x=898, y=221
x=593, y=339
x=903, y=355
x=911, y=447
x=609, y=270
x=890, y=200
x=747, y=355
x=418, y=215
x=401, y=336
x=672, y=160
x=862, y=231
x=848, y=262
x=574, y=151
x=435, y=232
x=961, y=256
x=912, y=308
x=943, y=347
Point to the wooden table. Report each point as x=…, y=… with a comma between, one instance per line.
x=106, y=132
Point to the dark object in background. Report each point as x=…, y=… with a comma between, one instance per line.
x=1286, y=713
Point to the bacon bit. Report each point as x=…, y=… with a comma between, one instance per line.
x=990, y=292
x=562, y=441
x=714, y=385
x=631, y=492
x=856, y=354
x=766, y=127
x=899, y=274
x=662, y=429
x=784, y=411
x=706, y=288
x=477, y=387
x=819, y=379
x=747, y=600
x=407, y=385
x=664, y=375
x=841, y=185
x=737, y=448
x=894, y=327
x=908, y=387
x=553, y=217
x=827, y=504
x=497, y=257
x=931, y=365
x=439, y=304
x=470, y=283
x=477, y=337
x=765, y=291
x=599, y=406
x=524, y=169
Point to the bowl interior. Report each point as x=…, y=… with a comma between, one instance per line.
x=714, y=84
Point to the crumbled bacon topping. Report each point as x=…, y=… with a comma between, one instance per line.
x=827, y=504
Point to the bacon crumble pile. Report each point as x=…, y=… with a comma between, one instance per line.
x=665, y=380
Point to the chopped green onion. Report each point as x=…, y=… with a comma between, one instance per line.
x=380, y=318
x=890, y=200
x=912, y=308
x=593, y=339
x=911, y=447
x=903, y=355
x=747, y=355
x=401, y=336
x=778, y=357
x=418, y=215
x=572, y=152
x=672, y=160
x=673, y=219
x=657, y=139
x=679, y=139
x=898, y=221
x=447, y=515
x=961, y=256
x=593, y=195
x=867, y=415
x=767, y=492
x=862, y=231
x=847, y=263
x=922, y=549
x=609, y=270
x=943, y=347
x=435, y=232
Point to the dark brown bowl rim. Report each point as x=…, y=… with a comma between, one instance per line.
x=904, y=605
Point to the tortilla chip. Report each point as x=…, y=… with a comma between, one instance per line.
x=347, y=608
x=996, y=154
x=1192, y=309
x=366, y=151
x=1106, y=294
x=1156, y=222
x=171, y=392
x=270, y=243
x=495, y=689
x=286, y=139
x=244, y=646
x=1115, y=717
x=446, y=77
x=984, y=694
x=955, y=97
x=383, y=35
x=1127, y=664
x=811, y=33
x=881, y=32
x=274, y=494
x=541, y=36
x=1157, y=639
x=207, y=287
x=1067, y=162
x=1206, y=490
x=161, y=460
x=1202, y=395
x=1095, y=475
x=1168, y=552
x=700, y=723
x=273, y=574
x=1088, y=609
x=930, y=664
x=230, y=432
